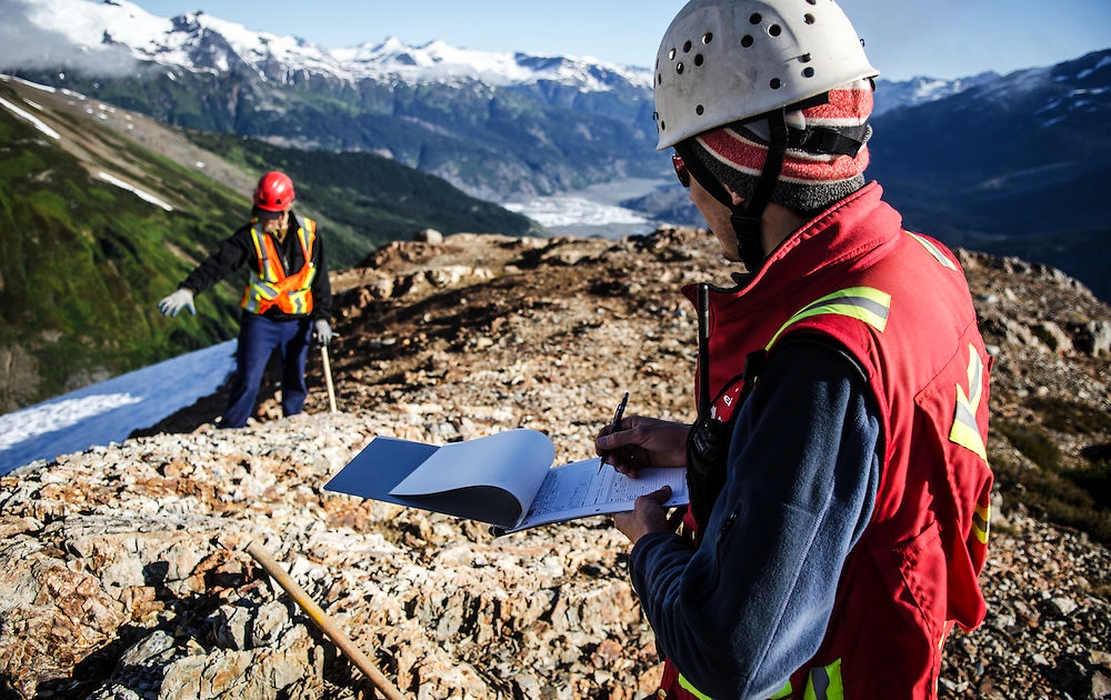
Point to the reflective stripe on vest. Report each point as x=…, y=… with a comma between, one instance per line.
x=980, y=522
x=825, y=683
x=966, y=432
x=934, y=251
x=270, y=286
x=863, y=303
x=686, y=685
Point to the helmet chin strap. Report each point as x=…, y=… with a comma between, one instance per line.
x=746, y=217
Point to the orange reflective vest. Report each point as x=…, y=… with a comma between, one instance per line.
x=270, y=285
x=899, y=303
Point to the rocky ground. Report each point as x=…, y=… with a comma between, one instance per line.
x=126, y=573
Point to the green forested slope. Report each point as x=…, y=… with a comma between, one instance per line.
x=84, y=261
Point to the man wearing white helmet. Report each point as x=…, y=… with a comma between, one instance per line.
x=288, y=300
x=838, y=473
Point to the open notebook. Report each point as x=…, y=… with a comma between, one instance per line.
x=506, y=480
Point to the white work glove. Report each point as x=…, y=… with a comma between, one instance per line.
x=321, y=331
x=181, y=299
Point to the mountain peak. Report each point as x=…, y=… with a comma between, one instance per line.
x=197, y=41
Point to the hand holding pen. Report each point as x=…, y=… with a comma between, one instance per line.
x=613, y=424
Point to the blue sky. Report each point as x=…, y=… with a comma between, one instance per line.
x=904, y=38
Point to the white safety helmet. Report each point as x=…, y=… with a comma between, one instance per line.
x=723, y=61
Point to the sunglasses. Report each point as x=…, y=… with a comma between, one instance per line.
x=681, y=171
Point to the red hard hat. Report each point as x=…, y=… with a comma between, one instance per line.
x=274, y=191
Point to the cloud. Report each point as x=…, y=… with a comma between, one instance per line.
x=23, y=46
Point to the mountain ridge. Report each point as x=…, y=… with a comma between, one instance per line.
x=201, y=41
x=470, y=336
x=507, y=128
x=1010, y=166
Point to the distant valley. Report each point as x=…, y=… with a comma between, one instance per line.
x=388, y=138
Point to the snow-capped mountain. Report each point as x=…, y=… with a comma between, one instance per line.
x=973, y=154
x=440, y=62
x=89, y=31
x=1017, y=165
x=1033, y=126
x=497, y=125
x=198, y=41
x=921, y=90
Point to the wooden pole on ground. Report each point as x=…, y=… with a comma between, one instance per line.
x=328, y=377
x=324, y=622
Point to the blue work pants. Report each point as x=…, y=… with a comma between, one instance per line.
x=258, y=337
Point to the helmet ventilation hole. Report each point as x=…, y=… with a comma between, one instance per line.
x=755, y=18
x=808, y=18
x=775, y=83
x=687, y=46
x=707, y=38
x=699, y=110
x=747, y=41
x=775, y=30
x=808, y=72
x=699, y=59
x=679, y=68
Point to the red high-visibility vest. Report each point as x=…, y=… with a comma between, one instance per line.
x=899, y=303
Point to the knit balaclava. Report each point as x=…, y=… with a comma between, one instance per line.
x=809, y=181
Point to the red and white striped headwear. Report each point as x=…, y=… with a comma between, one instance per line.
x=809, y=181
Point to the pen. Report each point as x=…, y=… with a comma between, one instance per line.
x=613, y=424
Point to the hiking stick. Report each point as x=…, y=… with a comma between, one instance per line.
x=324, y=622
x=328, y=377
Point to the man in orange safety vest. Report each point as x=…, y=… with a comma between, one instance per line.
x=287, y=303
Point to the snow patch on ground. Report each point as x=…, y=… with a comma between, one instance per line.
x=46, y=418
x=145, y=196
x=35, y=121
x=111, y=410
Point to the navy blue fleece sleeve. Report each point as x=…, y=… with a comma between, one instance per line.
x=751, y=604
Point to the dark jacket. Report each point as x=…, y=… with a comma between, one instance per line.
x=812, y=447
x=238, y=250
